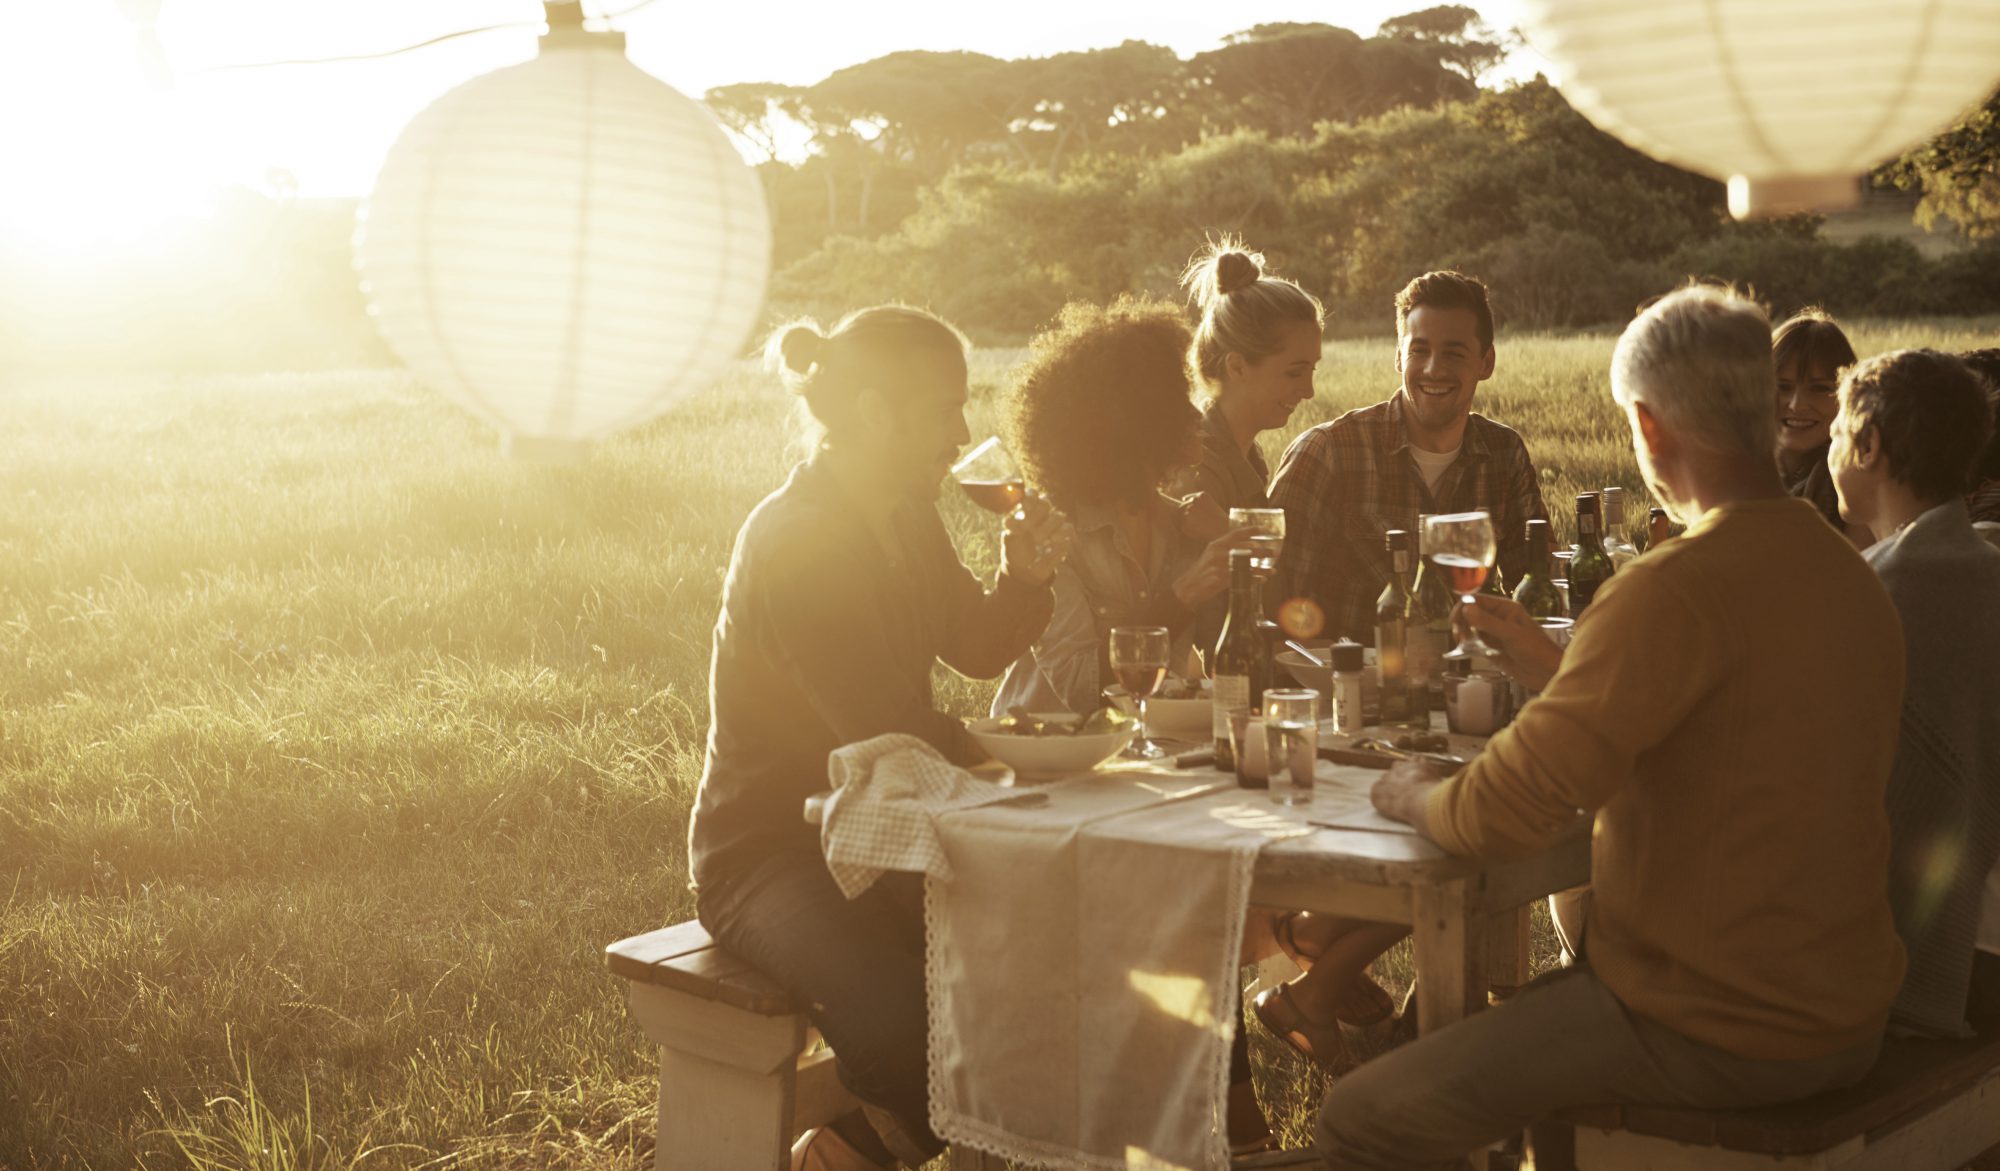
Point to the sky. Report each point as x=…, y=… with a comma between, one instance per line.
x=95, y=144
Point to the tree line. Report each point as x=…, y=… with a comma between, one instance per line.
x=994, y=190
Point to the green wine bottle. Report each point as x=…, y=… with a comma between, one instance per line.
x=1391, y=611
x=1616, y=545
x=1427, y=624
x=1242, y=667
x=1536, y=591
x=1590, y=568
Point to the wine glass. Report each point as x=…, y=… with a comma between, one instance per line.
x=1267, y=536
x=1461, y=544
x=1139, y=656
x=991, y=478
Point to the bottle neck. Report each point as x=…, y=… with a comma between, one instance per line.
x=1400, y=559
x=1586, y=524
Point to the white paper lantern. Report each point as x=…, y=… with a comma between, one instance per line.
x=565, y=247
x=1791, y=101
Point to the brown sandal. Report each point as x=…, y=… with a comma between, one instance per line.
x=1319, y=1043
x=1382, y=1006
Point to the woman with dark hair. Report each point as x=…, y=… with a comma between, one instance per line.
x=1101, y=418
x=1256, y=347
x=1911, y=429
x=1810, y=350
x=842, y=593
x=1985, y=498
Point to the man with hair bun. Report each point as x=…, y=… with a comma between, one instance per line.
x=1726, y=711
x=843, y=594
x=1345, y=483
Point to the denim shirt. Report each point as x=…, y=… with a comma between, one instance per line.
x=1101, y=584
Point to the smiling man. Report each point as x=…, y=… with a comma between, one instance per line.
x=1344, y=484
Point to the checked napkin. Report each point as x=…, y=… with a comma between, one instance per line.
x=885, y=793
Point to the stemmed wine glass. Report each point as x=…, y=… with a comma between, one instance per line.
x=1139, y=656
x=1267, y=536
x=1461, y=544
x=991, y=478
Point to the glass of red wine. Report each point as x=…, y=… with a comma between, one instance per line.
x=1461, y=545
x=1139, y=657
x=990, y=478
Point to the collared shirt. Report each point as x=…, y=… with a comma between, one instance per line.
x=1233, y=478
x=1102, y=584
x=827, y=637
x=1345, y=483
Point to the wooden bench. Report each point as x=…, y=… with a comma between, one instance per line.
x=1926, y=1106
x=741, y=1075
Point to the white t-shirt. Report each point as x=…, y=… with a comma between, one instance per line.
x=1431, y=464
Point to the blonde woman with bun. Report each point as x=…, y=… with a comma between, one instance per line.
x=843, y=592
x=1256, y=347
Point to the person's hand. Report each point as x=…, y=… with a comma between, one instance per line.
x=1202, y=518
x=1035, y=539
x=1403, y=790
x=1209, y=575
x=1527, y=654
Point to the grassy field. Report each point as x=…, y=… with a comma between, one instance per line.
x=333, y=749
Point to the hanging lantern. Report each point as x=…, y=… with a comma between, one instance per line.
x=565, y=247
x=1791, y=101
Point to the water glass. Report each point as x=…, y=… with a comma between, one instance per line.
x=1267, y=536
x=1291, y=739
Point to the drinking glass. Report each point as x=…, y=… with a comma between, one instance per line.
x=1139, y=656
x=991, y=478
x=1267, y=536
x=1291, y=744
x=1461, y=544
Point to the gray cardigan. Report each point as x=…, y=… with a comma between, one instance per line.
x=1944, y=793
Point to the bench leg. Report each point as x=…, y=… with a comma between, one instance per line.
x=727, y=1082
x=713, y=1116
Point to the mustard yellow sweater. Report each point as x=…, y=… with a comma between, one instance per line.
x=1728, y=710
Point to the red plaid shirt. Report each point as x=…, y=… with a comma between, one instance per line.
x=1344, y=484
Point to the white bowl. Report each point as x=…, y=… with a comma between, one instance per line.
x=1045, y=757
x=1172, y=719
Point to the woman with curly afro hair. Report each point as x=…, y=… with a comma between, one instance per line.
x=1102, y=416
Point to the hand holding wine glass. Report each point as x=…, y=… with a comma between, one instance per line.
x=1139, y=657
x=1034, y=540
x=1461, y=545
x=1267, y=536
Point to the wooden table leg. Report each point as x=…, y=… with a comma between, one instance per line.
x=1508, y=935
x=1451, y=958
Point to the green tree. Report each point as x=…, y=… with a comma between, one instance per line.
x=1455, y=34
x=1958, y=173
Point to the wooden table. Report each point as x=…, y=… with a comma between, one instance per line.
x=1468, y=919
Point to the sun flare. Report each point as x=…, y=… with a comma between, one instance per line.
x=97, y=154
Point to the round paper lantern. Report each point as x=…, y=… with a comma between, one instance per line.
x=1791, y=101
x=565, y=247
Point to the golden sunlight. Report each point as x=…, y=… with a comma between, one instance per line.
x=97, y=153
